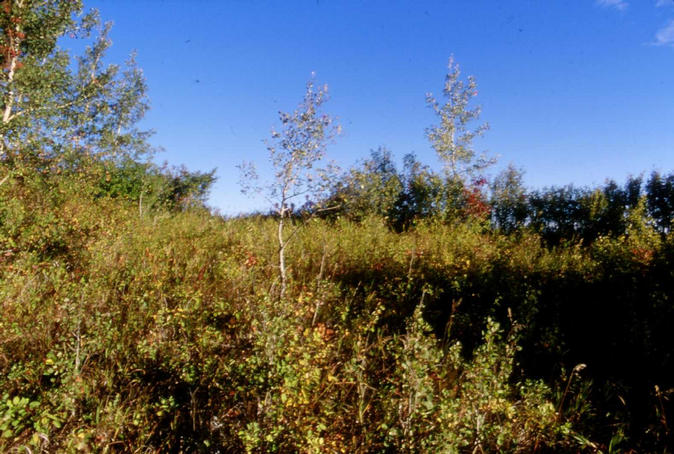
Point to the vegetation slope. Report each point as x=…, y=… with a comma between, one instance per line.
x=398, y=311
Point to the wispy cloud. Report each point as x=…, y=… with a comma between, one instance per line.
x=620, y=5
x=665, y=36
x=664, y=3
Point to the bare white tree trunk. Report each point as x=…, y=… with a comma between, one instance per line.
x=13, y=53
x=281, y=250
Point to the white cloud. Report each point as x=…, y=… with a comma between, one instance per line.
x=620, y=5
x=665, y=36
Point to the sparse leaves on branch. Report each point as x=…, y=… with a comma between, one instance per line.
x=452, y=138
x=296, y=152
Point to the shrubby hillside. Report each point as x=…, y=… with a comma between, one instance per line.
x=394, y=310
x=163, y=330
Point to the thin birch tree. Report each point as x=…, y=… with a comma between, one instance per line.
x=296, y=151
x=452, y=138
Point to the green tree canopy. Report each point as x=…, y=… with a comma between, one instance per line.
x=56, y=112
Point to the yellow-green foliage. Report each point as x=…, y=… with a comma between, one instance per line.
x=162, y=332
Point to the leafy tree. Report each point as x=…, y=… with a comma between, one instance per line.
x=509, y=200
x=125, y=179
x=423, y=193
x=605, y=210
x=295, y=152
x=660, y=196
x=182, y=188
x=640, y=226
x=428, y=194
x=452, y=138
x=616, y=200
x=153, y=186
x=55, y=115
x=372, y=188
x=556, y=213
x=111, y=101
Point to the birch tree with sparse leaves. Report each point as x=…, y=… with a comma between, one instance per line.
x=452, y=138
x=296, y=152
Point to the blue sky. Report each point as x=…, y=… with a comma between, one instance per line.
x=575, y=91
